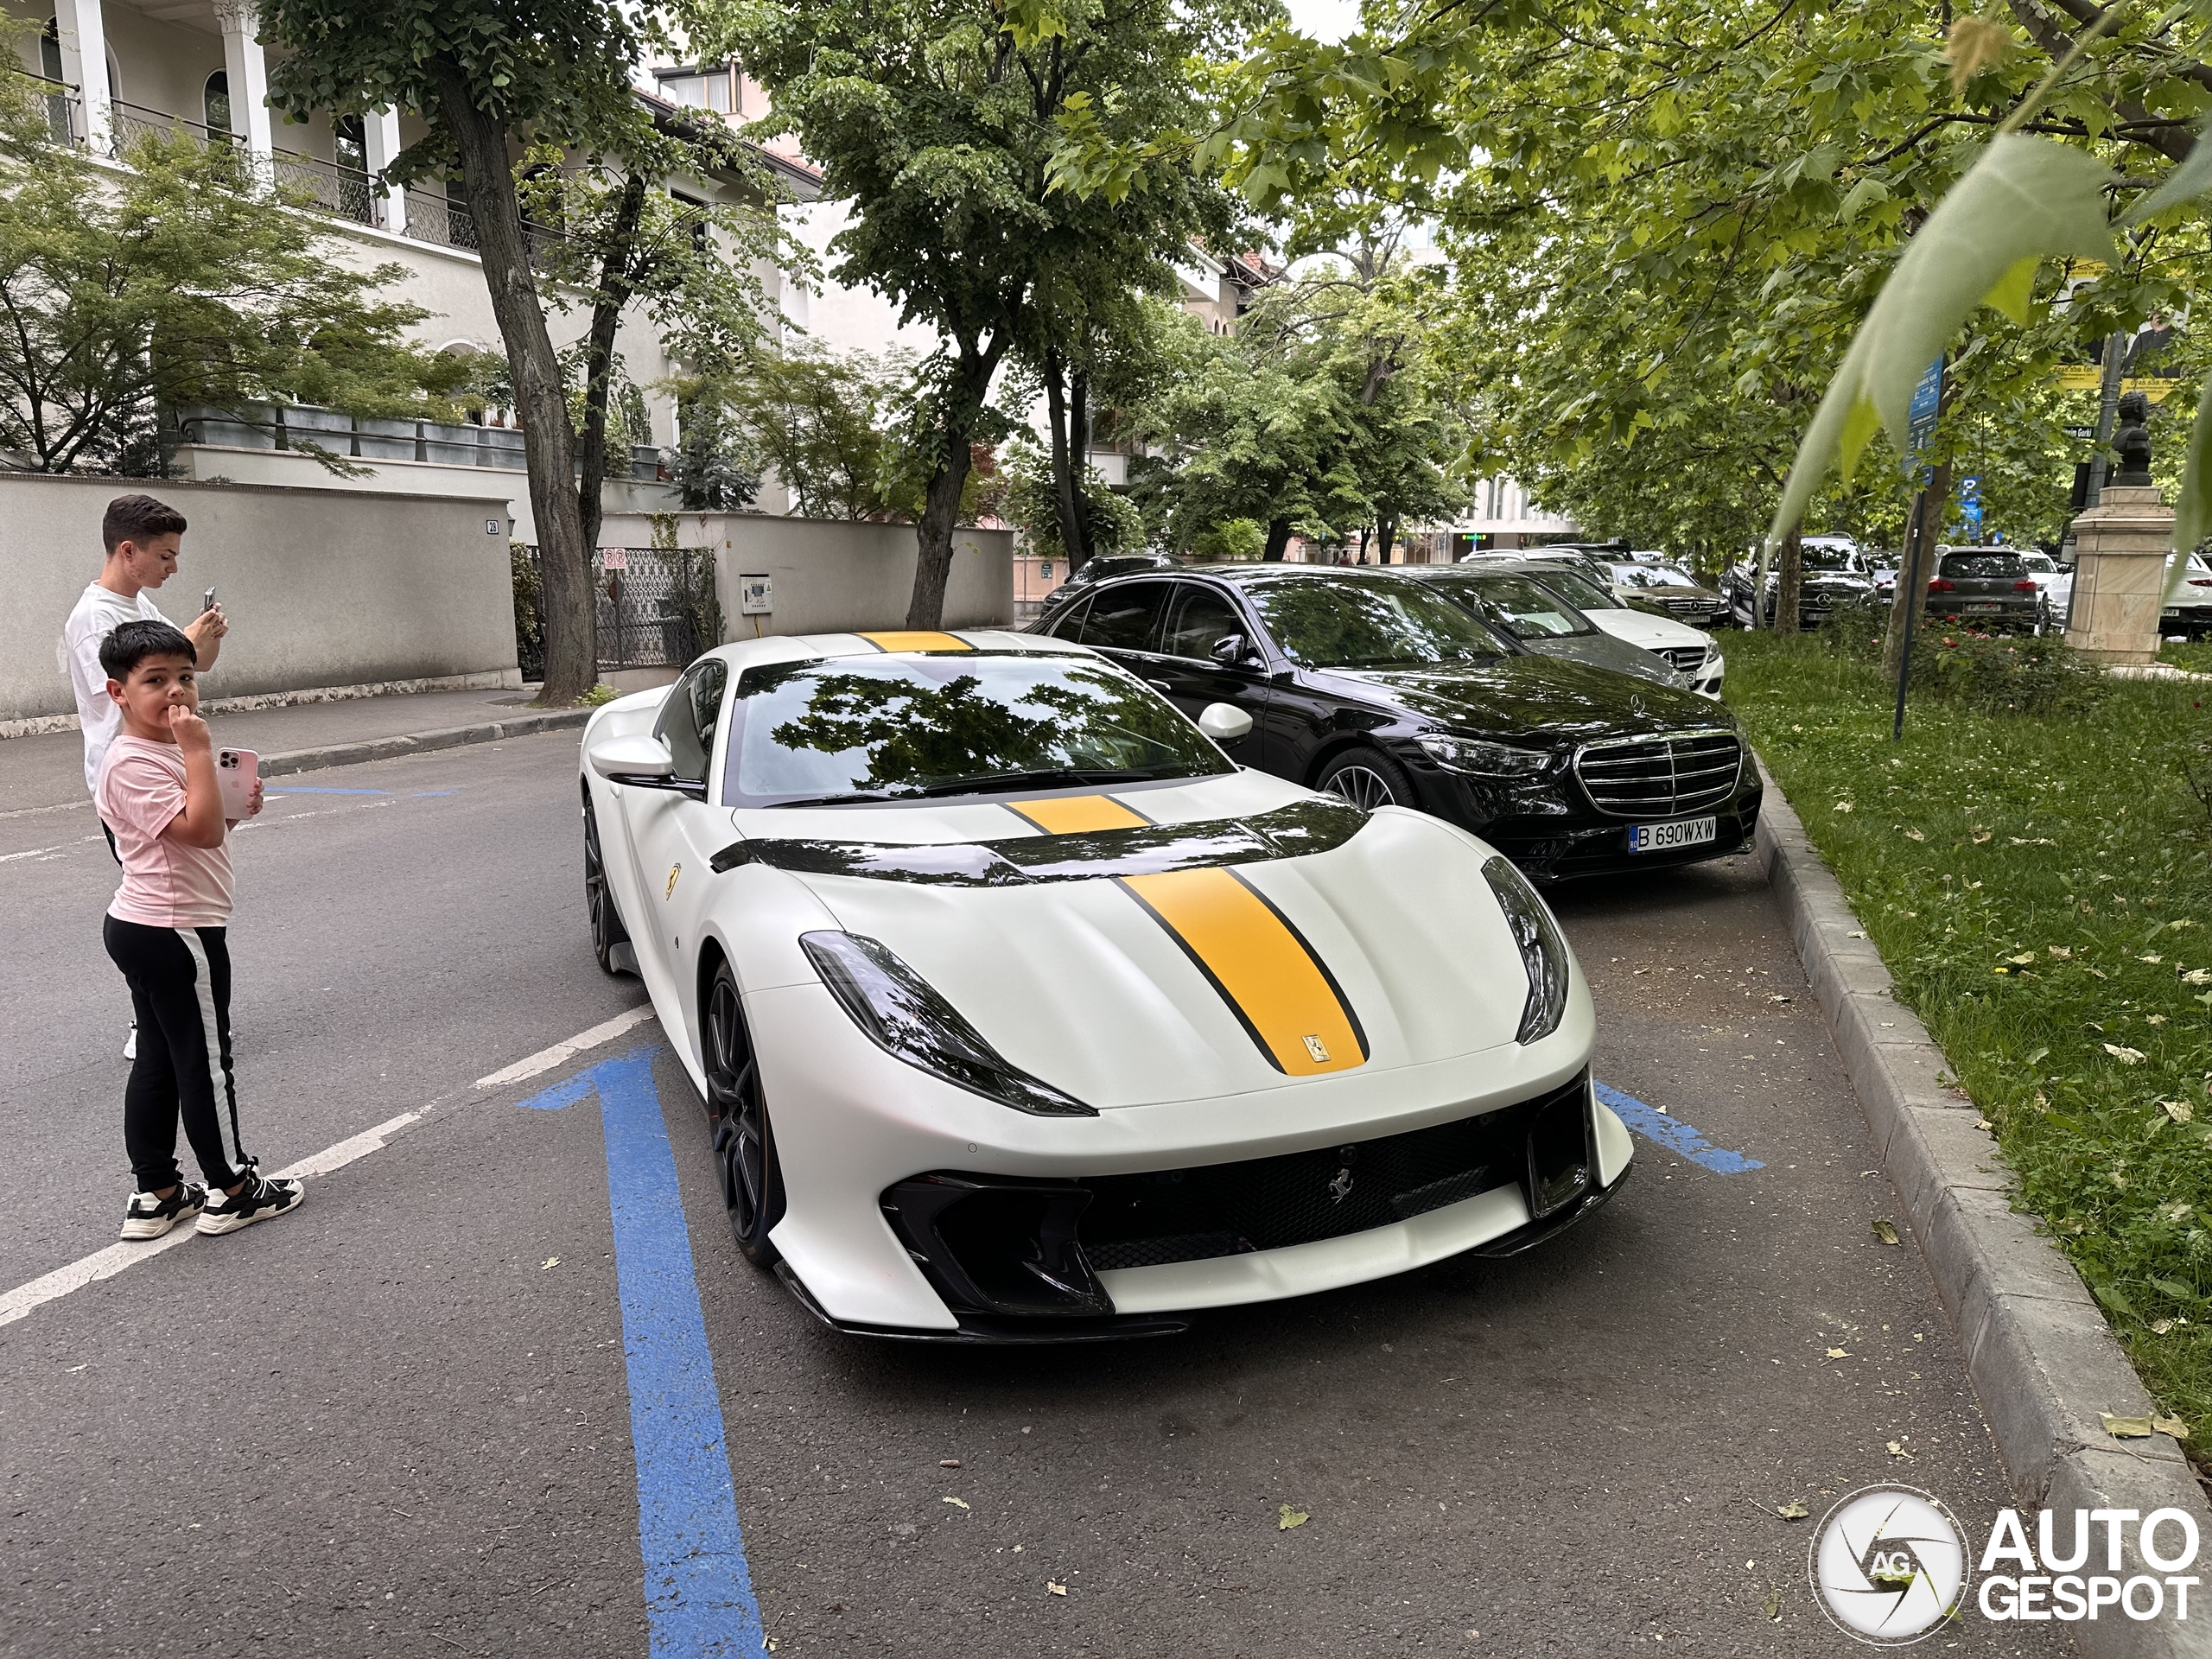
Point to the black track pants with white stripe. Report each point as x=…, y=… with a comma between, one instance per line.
x=180, y=982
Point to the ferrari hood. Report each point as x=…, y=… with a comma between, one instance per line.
x=1149, y=944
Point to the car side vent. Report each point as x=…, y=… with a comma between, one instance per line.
x=1659, y=777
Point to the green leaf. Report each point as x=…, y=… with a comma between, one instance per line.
x=2192, y=178
x=2013, y=290
x=2192, y=511
x=2026, y=198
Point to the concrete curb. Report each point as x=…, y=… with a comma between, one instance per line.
x=2038, y=1351
x=451, y=737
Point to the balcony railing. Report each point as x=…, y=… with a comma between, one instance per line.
x=128, y=122
x=440, y=220
x=61, y=102
x=340, y=191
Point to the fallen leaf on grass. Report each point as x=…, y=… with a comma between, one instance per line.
x=2159, y=1327
x=1843, y=806
x=2197, y=977
x=2154, y=959
x=1055, y=1589
x=2099, y=972
x=2125, y=1055
x=2061, y=952
x=1983, y=1123
x=2172, y=1425
x=960, y=1502
x=1793, y=1510
x=1914, y=834
x=2180, y=1110
x=1287, y=1517
x=2022, y=959
x=2126, y=1428
x=1980, y=835
x=1885, y=1232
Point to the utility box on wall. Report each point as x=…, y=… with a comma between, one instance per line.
x=756, y=595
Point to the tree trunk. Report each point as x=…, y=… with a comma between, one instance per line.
x=1915, y=564
x=972, y=384
x=1789, y=585
x=615, y=286
x=1386, y=536
x=569, y=613
x=1278, y=540
x=1066, y=494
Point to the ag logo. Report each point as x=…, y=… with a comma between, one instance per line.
x=1318, y=1049
x=1889, y=1564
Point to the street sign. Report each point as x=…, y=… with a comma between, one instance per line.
x=2080, y=434
x=1927, y=403
x=1970, y=493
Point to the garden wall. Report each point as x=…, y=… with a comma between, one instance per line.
x=324, y=588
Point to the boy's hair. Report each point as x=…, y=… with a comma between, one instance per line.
x=138, y=519
x=133, y=643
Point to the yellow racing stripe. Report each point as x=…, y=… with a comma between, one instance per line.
x=1261, y=965
x=915, y=640
x=1078, y=815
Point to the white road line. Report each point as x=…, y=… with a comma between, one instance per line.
x=105, y=1264
x=546, y=1058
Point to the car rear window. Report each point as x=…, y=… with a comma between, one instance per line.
x=1983, y=565
x=1525, y=610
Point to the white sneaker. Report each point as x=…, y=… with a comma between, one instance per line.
x=131, y=1043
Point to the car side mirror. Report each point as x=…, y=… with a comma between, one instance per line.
x=1225, y=722
x=639, y=759
x=1230, y=651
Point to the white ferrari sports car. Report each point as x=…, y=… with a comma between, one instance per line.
x=1023, y=1015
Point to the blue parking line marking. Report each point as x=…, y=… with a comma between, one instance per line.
x=699, y=1600
x=1672, y=1133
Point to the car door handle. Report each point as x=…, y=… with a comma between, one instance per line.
x=1165, y=685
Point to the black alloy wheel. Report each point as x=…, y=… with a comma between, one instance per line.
x=745, y=1144
x=1368, y=778
x=607, y=929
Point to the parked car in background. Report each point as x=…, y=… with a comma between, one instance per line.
x=1669, y=590
x=1371, y=684
x=2054, y=587
x=1836, y=573
x=1694, y=654
x=1537, y=619
x=1987, y=586
x=1595, y=567
x=2190, y=613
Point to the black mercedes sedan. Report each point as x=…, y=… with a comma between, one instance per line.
x=1371, y=684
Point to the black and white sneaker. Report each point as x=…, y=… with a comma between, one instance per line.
x=148, y=1216
x=257, y=1200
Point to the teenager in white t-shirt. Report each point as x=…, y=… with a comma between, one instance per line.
x=142, y=536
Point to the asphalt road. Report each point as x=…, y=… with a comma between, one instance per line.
x=400, y=1423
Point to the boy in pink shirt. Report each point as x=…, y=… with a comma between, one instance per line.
x=166, y=931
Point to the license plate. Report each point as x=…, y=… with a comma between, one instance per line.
x=1982, y=604
x=1659, y=837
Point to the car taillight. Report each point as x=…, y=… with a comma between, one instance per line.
x=1938, y=585
x=2024, y=586
x=2200, y=581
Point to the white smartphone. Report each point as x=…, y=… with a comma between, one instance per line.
x=235, y=772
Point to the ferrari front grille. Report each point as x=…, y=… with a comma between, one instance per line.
x=1661, y=777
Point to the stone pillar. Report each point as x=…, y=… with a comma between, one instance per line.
x=81, y=33
x=2120, y=578
x=247, y=74
x=381, y=129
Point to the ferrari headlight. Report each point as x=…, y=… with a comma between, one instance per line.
x=1486, y=759
x=903, y=1015
x=1544, y=953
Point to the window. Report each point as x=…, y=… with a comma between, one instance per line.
x=349, y=142
x=1204, y=617
x=1983, y=566
x=49, y=51
x=1121, y=618
x=690, y=716
x=215, y=102
x=1577, y=590
x=1325, y=622
x=901, y=725
x=706, y=90
x=1525, y=610
x=1068, y=625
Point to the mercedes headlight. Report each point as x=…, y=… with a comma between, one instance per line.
x=1544, y=953
x=903, y=1015
x=1484, y=760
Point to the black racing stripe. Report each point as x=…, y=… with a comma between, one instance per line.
x=1220, y=990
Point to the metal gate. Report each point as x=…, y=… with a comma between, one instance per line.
x=656, y=606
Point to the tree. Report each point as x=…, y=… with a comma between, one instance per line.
x=821, y=422
x=490, y=78
x=939, y=120
x=181, y=281
x=1036, y=503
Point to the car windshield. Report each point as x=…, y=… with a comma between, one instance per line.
x=1830, y=558
x=1984, y=565
x=1327, y=623
x=2039, y=563
x=884, y=727
x=1578, y=590
x=1521, y=607
x=1669, y=575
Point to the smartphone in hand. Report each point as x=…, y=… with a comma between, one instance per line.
x=207, y=602
x=235, y=771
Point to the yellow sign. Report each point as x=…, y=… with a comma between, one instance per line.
x=2087, y=377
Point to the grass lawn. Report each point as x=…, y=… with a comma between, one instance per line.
x=2196, y=655
x=2042, y=889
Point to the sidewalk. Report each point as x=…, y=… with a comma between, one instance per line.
x=49, y=770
